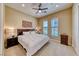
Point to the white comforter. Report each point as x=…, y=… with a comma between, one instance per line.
x=30, y=41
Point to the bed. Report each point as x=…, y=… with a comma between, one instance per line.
x=32, y=41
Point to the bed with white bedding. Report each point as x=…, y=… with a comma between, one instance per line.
x=32, y=42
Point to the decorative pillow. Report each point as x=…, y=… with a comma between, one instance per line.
x=20, y=33
x=33, y=32
x=38, y=32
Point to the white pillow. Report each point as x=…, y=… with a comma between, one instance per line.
x=26, y=33
x=33, y=32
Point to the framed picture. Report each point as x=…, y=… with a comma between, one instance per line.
x=26, y=24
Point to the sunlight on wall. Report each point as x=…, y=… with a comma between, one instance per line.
x=10, y=31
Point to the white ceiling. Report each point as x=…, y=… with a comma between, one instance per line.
x=28, y=8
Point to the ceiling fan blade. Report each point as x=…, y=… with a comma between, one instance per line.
x=35, y=8
x=40, y=5
x=43, y=8
x=45, y=11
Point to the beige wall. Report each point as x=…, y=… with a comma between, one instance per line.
x=65, y=22
x=13, y=18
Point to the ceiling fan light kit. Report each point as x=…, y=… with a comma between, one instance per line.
x=40, y=11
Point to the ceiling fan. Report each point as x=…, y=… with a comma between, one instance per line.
x=39, y=9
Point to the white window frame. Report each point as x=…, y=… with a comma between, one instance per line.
x=55, y=27
x=45, y=27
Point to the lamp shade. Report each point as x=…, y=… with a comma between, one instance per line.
x=10, y=32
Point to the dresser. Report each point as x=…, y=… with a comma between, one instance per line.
x=64, y=39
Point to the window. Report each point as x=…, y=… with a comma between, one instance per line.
x=54, y=27
x=45, y=27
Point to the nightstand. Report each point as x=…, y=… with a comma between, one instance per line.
x=12, y=41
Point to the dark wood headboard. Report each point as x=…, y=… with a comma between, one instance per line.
x=20, y=31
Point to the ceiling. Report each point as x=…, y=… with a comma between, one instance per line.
x=27, y=8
